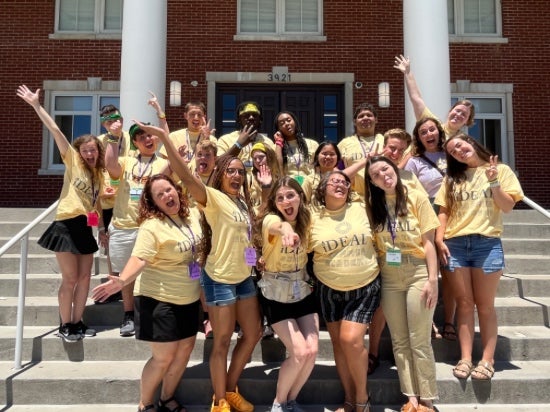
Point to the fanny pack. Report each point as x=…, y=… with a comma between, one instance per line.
x=285, y=287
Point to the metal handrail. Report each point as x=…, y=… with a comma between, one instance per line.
x=536, y=206
x=23, y=235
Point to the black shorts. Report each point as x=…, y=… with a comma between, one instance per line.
x=157, y=321
x=69, y=235
x=277, y=311
x=107, y=215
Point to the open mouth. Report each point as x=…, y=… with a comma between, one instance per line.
x=202, y=166
x=289, y=211
x=171, y=203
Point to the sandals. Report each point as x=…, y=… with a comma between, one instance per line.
x=163, y=408
x=435, y=332
x=348, y=407
x=484, y=371
x=463, y=369
x=449, y=332
x=365, y=406
x=374, y=363
x=146, y=408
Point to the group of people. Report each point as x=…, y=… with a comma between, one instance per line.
x=249, y=227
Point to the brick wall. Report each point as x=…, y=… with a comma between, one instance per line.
x=362, y=37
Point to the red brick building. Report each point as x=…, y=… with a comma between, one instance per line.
x=328, y=56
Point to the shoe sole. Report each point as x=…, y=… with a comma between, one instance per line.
x=69, y=340
x=127, y=334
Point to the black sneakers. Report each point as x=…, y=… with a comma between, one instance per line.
x=84, y=330
x=69, y=333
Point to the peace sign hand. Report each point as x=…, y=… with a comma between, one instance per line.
x=491, y=171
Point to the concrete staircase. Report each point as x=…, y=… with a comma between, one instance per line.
x=103, y=372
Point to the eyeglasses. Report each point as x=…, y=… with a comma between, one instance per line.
x=289, y=197
x=232, y=171
x=338, y=182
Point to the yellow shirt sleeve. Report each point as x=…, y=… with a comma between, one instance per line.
x=278, y=258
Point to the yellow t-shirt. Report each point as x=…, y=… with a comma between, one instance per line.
x=475, y=210
x=278, y=258
x=81, y=189
x=408, y=230
x=342, y=241
x=124, y=149
x=135, y=172
x=185, y=137
x=167, y=250
x=228, y=140
x=231, y=227
x=353, y=149
x=295, y=162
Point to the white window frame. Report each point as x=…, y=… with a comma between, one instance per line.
x=501, y=91
x=93, y=87
x=460, y=37
x=281, y=34
x=98, y=31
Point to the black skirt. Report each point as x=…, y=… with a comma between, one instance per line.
x=70, y=235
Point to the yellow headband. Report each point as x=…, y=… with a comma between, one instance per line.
x=258, y=146
x=250, y=108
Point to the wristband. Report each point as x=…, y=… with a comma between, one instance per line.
x=494, y=183
x=239, y=146
x=266, y=186
x=161, y=115
x=279, y=143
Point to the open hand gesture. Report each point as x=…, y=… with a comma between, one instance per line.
x=402, y=64
x=28, y=96
x=264, y=175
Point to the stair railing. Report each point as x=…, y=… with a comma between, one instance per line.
x=23, y=236
x=536, y=206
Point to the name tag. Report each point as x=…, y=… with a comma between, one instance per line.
x=250, y=256
x=393, y=257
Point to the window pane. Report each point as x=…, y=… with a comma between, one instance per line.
x=330, y=118
x=76, y=15
x=113, y=15
x=479, y=16
x=257, y=16
x=487, y=105
x=73, y=103
x=301, y=16
x=229, y=103
x=451, y=16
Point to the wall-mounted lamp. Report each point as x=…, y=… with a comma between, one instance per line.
x=175, y=93
x=384, y=94
x=194, y=83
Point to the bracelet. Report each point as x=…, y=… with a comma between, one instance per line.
x=279, y=143
x=161, y=115
x=111, y=138
x=494, y=183
x=239, y=146
x=101, y=229
x=266, y=186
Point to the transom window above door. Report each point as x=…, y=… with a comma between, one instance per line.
x=280, y=20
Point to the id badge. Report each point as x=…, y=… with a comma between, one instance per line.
x=114, y=182
x=296, y=291
x=135, y=194
x=194, y=270
x=250, y=256
x=393, y=257
x=92, y=218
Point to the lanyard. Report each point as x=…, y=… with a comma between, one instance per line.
x=192, y=238
x=95, y=194
x=391, y=226
x=363, y=147
x=243, y=209
x=191, y=150
x=140, y=173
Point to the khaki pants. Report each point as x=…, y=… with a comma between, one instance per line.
x=410, y=325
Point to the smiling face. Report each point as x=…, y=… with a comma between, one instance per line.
x=145, y=143
x=429, y=136
x=365, y=123
x=458, y=116
x=337, y=191
x=233, y=178
x=394, y=149
x=383, y=175
x=287, y=201
x=287, y=126
x=165, y=197
x=195, y=118
x=327, y=158
x=89, y=153
x=206, y=161
x=462, y=151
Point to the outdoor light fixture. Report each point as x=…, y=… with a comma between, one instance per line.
x=175, y=93
x=384, y=94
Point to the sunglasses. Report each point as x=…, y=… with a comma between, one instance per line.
x=232, y=171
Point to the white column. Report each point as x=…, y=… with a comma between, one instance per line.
x=143, y=60
x=426, y=42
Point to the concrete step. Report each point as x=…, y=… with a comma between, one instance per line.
x=524, y=285
x=10, y=228
x=527, y=264
x=45, y=284
x=527, y=246
x=40, y=343
x=43, y=311
x=44, y=262
x=524, y=216
x=526, y=230
x=69, y=383
x=33, y=247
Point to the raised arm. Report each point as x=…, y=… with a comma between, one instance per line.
x=154, y=103
x=33, y=99
x=130, y=272
x=195, y=186
x=403, y=64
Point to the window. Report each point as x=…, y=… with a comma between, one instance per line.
x=474, y=20
x=88, y=16
x=76, y=114
x=280, y=19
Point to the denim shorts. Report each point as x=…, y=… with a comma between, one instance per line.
x=475, y=251
x=223, y=294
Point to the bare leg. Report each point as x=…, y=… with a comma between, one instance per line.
x=175, y=371
x=82, y=287
x=68, y=264
x=461, y=284
x=154, y=370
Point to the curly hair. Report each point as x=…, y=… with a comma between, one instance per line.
x=321, y=190
x=87, y=138
x=418, y=148
x=376, y=197
x=303, y=218
x=456, y=170
x=215, y=181
x=148, y=209
x=300, y=141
